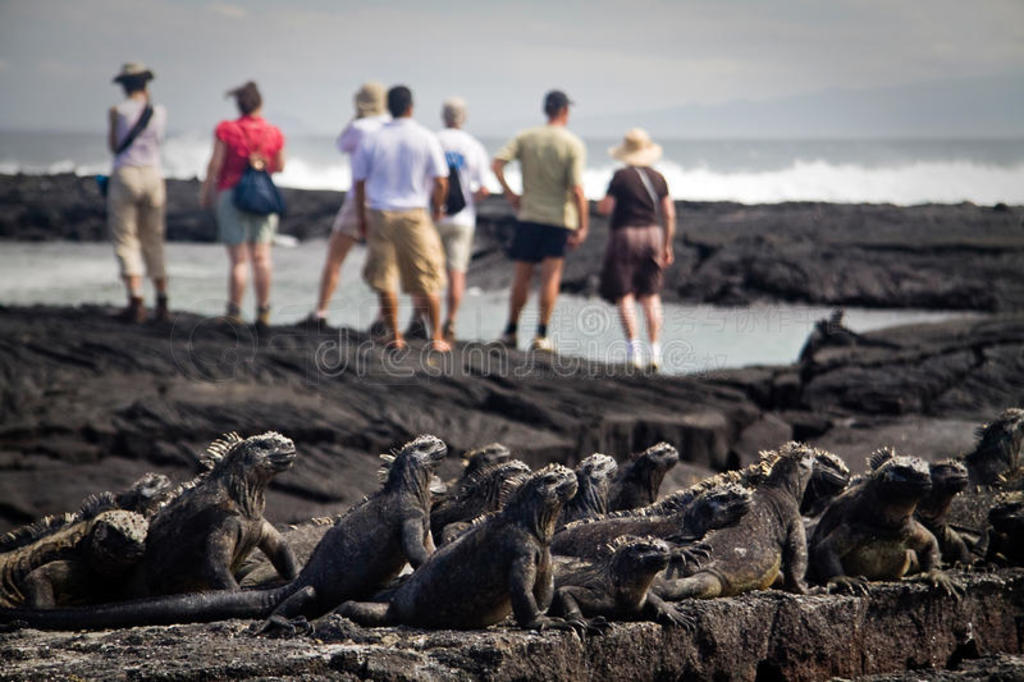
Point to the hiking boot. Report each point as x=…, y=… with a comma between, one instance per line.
x=314, y=322
x=232, y=315
x=135, y=312
x=263, y=318
x=543, y=344
x=417, y=329
x=378, y=330
x=162, y=313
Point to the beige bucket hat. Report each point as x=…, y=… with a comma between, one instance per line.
x=133, y=70
x=636, y=149
x=369, y=99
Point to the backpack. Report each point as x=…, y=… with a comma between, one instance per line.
x=456, y=200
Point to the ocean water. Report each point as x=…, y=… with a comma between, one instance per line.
x=899, y=171
x=697, y=338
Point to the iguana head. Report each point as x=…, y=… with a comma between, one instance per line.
x=414, y=465
x=117, y=541
x=1007, y=515
x=659, y=457
x=637, y=559
x=899, y=477
x=598, y=469
x=718, y=507
x=485, y=456
x=538, y=502
x=949, y=477
x=830, y=477
x=790, y=467
x=999, y=448
x=147, y=494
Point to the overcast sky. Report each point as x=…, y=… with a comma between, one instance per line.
x=57, y=57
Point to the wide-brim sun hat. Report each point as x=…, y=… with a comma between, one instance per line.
x=637, y=149
x=134, y=70
x=370, y=99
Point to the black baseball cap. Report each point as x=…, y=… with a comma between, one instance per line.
x=555, y=101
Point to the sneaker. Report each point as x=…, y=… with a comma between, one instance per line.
x=417, y=329
x=542, y=343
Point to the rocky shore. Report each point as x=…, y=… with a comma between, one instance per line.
x=962, y=257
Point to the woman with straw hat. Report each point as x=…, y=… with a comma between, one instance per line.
x=638, y=247
x=370, y=115
x=136, y=195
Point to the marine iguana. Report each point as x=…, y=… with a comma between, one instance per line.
x=998, y=450
x=638, y=481
x=768, y=540
x=868, y=531
x=365, y=549
x=617, y=586
x=831, y=332
x=1006, y=535
x=476, y=459
x=145, y=496
x=502, y=565
x=483, y=491
x=949, y=477
x=594, y=479
x=201, y=538
x=682, y=517
x=79, y=563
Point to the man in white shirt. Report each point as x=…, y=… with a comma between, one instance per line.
x=465, y=154
x=399, y=173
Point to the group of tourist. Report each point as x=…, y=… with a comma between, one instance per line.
x=413, y=202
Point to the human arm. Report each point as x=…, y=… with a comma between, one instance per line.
x=438, y=196
x=111, y=130
x=348, y=139
x=606, y=205
x=498, y=168
x=668, y=219
x=360, y=190
x=213, y=168
x=579, y=235
x=276, y=163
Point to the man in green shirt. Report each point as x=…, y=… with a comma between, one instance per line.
x=552, y=211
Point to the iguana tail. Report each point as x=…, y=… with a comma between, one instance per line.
x=199, y=607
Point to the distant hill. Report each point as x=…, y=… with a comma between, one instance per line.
x=983, y=107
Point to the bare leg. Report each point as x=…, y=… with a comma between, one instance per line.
x=238, y=273
x=520, y=290
x=456, y=289
x=133, y=284
x=261, y=267
x=550, y=281
x=337, y=249
x=431, y=303
x=160, y=284
x=627, y=314
x=389, y=311
x=652, y=311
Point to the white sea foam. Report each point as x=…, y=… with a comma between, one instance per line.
x=902, y=179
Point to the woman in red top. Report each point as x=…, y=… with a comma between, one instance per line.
x=247, y=140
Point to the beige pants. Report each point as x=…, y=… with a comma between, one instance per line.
x=135, y=210
x=403, y=245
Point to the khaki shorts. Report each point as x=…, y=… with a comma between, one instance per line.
x=240, y=227
x=347, y=219
x=135, y=212
x=458, y=245
x=403, y=246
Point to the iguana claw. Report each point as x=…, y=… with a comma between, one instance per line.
x=673, y=616
x=939, y=579
x=279, y=626
x=855, y=585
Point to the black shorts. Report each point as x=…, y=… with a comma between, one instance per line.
x=533, y=242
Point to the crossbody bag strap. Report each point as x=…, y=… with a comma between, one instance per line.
x=136, y=130
x=650, y=190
